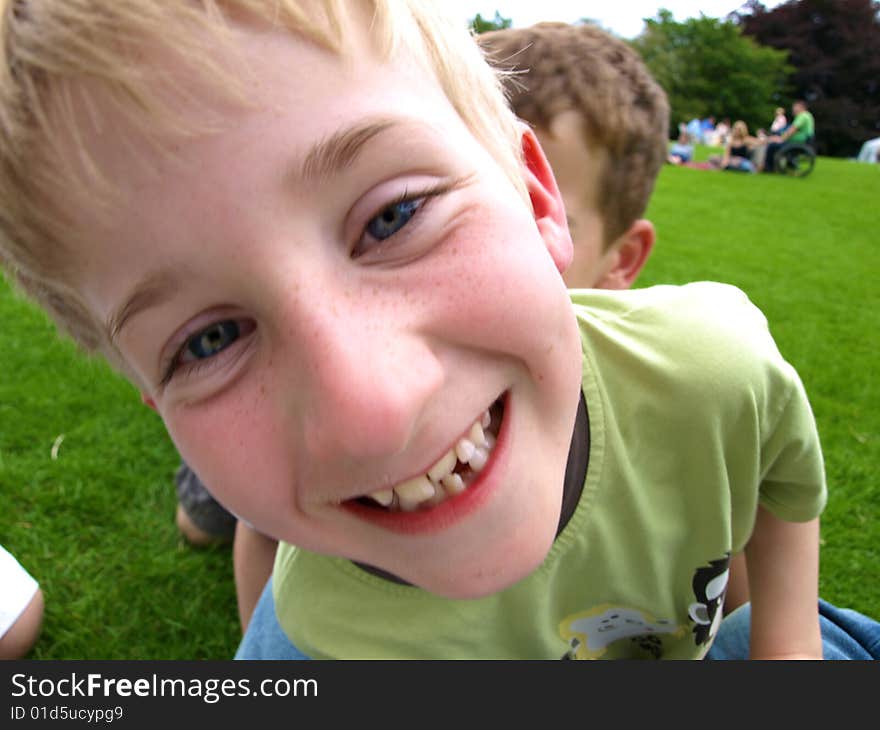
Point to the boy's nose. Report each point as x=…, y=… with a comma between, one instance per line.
x=368, y=387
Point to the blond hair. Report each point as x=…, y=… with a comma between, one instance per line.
x=740, y=131
x=60, y=57
x=560, y=67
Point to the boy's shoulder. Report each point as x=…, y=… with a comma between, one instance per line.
x=699, y=351
x=686, y=304
x=704, y=331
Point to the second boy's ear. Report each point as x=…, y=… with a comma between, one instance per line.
x=547, y=205
x=626, y=257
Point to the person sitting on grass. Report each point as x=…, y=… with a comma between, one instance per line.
x=738, y=150
x=682, y=150
x=780, y=122
x=318, y=241
x=870, y=151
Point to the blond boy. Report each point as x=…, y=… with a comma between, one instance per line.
x=316, y=238
x=602, y=121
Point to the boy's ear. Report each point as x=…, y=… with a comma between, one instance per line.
x=629, y=254
x=148, y=401
x=549, y=210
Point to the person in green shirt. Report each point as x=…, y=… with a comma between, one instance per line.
x=800, y=131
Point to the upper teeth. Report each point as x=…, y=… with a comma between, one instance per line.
x=413, y=492
x=439, y=481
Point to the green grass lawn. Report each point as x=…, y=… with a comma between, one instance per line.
x=95, y=523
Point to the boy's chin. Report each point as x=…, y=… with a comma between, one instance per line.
x=486, y=575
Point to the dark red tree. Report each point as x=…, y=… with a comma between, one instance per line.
x=834, y=46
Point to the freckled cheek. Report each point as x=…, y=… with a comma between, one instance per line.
x=496, y=279
x=238, y=450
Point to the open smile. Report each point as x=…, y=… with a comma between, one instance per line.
x=449, y=484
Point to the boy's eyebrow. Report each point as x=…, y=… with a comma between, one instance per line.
x=325, y=158
x=152, y=290
x=333, y=154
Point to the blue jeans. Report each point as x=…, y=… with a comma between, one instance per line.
x=846, y=634
x=264, y=638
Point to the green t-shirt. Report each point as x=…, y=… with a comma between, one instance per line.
x=805, y=126
x=694, y=418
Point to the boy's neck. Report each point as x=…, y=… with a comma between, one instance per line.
x=575, y=475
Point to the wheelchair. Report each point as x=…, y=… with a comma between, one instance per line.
x=795, y=160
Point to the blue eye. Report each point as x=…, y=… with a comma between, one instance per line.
x=393, y=218
x=211, y=340
x=208, y=348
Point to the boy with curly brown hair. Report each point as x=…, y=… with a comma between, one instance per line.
x=603, y=122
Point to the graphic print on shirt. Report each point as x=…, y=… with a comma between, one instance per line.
x=710, y=586
x=589, y=634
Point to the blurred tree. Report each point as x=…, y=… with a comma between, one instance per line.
x=481, y=25
x=709, y=68
x=835, y=49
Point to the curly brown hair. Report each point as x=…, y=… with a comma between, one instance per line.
x=550, y=68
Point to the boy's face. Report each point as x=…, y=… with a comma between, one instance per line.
x=577, y=169
x=324, y=297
